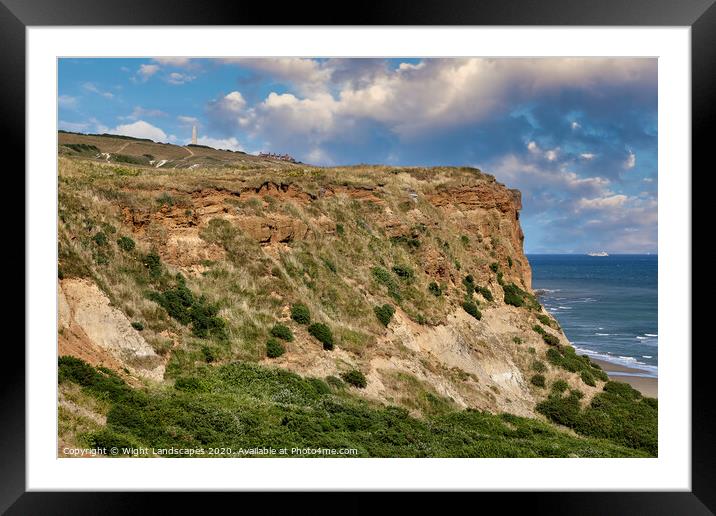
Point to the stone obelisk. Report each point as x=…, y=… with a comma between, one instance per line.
x=193, y=135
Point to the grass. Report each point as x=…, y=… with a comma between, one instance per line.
x=243, y=405
x=619, y=413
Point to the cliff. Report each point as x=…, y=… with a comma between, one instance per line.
x=255, y=241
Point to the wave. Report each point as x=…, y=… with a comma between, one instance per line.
x=603, y=334
x=651, y=334
x=650, y=370
x=641, y=338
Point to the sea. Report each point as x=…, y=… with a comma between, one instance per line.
x=606, y=305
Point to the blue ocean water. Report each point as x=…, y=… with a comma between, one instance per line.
x=607, y=306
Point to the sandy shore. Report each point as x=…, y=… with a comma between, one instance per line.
x=647, y=386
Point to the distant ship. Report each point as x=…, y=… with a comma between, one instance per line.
x=600, y=253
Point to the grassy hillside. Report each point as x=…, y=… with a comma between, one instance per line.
x=385, y=309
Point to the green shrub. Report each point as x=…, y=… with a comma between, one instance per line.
x=539, y=366
x=282, y=331
x=137, y=325
x=485, y=292
x=514, y=295
x=384, y=278
x=471, y=308
x=404, y=272
x=154, y=264
x=384, y=313
x=588, y=378
x=559, y=386
x=300, y=313
x=517, y=340
x=340, y=230
x=181, y=304
x=544, y=319
x=126, y=244
x=100, y=239
x=531, y=350
x=537, y=380
x=509, y=261
x=469, y=283
x=465, y=240
x=355, y=378
x=494, y=266
x=550, y=339
x=435, y=289
x=323, y=334
x=274, y=348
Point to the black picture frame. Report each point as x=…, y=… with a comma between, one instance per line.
x=16, y=15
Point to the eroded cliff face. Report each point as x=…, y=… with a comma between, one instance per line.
x=341, y=241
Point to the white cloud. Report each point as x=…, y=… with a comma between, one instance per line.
x=67, y=101
x=533, y=147
x=219, y=143
x=609, y=202
x=576, y=125
x=92, y=87
x=178, y=62
x=551, y=154
x=179, y=78
x=587, y=155
x=141, y=129
x=145, y=71
x=303, y=73
x=630, y=161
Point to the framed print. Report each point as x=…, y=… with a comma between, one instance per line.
x=437, y=249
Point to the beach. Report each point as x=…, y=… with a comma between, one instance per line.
x=620, y=373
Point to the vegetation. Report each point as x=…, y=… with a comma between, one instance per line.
x=547, y=337
x=538, y=380
x=435, y=289
x=274, y=348
x=559, y=386
x=300, y=313
x=515, y=296
x=485, y=292
x=619, y=413
x=181, y=304
x=471, y=308
x=384, y=313
x=137, y=325
x=566, y=358
x=323, y=334
x=539, y=366
x=126, y=244
x=240, y=404
x=282, y=332
x=355, y=378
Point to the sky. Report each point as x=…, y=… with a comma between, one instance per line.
x=578, y=136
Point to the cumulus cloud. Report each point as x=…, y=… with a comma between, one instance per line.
x=179, y=78
x=141, y=129
x=145, y=71
x=219, y=143
x=587, y=155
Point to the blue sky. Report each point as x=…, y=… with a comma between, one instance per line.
x=578, y=137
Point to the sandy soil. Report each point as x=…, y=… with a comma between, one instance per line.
x=647, y=386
